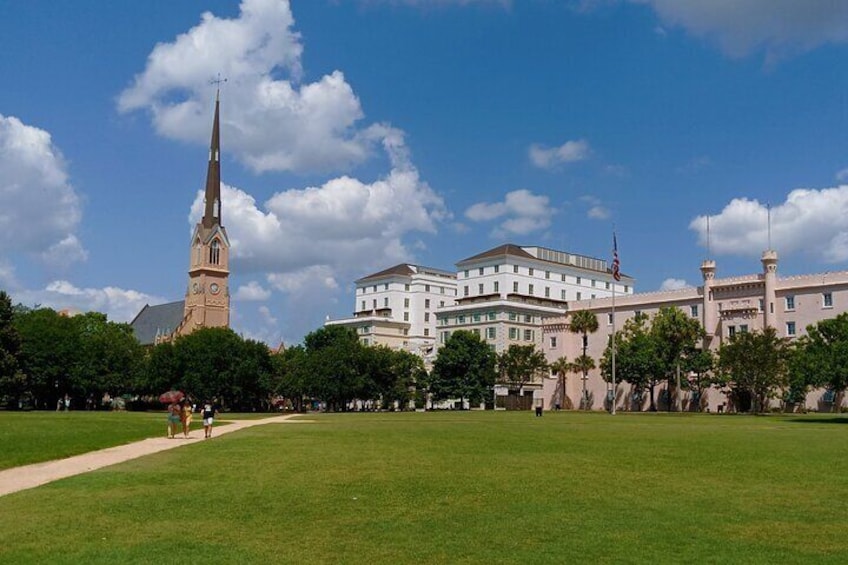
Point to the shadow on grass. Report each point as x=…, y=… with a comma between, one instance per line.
x=827, y=420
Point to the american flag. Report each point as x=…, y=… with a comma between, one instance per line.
x=616, y=265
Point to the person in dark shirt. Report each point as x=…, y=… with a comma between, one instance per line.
x=209, y=412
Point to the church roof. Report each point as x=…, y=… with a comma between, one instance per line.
x=156, y=320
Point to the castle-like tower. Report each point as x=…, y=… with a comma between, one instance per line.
x=207, y=300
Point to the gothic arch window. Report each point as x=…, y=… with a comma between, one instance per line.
x=215, y=252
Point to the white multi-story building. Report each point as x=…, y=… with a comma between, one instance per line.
x=724, y=307
x=396, y=307
x=505, y=294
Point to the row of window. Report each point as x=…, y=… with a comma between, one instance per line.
x=488, y=316
x=515, y=334
x=743, y=328
x=406, y=287
x=531, y=290
x=547, y=275
x=405, y=303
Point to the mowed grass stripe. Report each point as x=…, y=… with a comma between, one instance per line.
x=459, y=487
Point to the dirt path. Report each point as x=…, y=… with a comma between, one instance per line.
x=30, y=476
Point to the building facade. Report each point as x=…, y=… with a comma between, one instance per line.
x=724, y=307
x=397, y=307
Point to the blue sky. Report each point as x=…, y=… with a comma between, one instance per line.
x=358, y=134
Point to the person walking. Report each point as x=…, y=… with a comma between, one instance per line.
x=173, y=418
x=185, y=416
x=209, y=412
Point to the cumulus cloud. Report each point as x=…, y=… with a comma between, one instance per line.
x=674, y=284
x=596, y=210
x=38, y=205
x=552, y=157
x=810, y=220
x=522, y=211
x=270, y=120
x=252, y=291
x=118, y=304
x=267, y=318
x=740, y=27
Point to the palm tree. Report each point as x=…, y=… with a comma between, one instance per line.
x=584, y=322
x=560, y=367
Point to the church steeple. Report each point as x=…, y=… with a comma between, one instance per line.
x=212, y=212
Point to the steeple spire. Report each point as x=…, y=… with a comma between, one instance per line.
x=212, y=213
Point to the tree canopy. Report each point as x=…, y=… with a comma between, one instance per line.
x=465, y=369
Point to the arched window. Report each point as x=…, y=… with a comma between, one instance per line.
x=215, y=252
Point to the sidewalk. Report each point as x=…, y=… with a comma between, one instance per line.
x=30, y=476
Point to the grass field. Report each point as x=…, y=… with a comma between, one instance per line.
x=33, y=437
x=458, y=487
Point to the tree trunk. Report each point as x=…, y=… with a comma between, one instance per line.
x=653, y=407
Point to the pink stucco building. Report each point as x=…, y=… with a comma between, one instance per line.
x=723, y=306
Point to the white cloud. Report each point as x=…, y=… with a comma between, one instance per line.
x=267, y=318
x=270, y=123
x=317, y=276
x=812, y=221
x=252, y=291
x=596, y=211
x=523, y=213
x=740, y=27
x=118, y=304
x=39, y=208
x=842, y=175
x=674, y=284
x=551, y=157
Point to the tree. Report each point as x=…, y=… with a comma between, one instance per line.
x=675, y=333
x=699, y=363
x=335, y=367
x=12, y=380
x=464, y=369
x=561, y=367
x=583, y=322
x=822, y=356
x=753, y=366
x=581, y=365
x=636, y=357
x=520, y=365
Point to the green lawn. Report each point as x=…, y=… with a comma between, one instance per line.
x=33, y=437
x=459, y=487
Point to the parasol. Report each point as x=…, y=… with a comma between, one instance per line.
x=171, y=396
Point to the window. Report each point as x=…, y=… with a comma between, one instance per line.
x=426, y=288
x=491, y=316
x=497, y=287
x=512, y=316
x=528, y=319
x=563, y=277
x=515, y=287
x=406, y=287
x=426, y=316
x=607, y=285
x=441, y=303
x=553, y=342
x=547, y=274
x=635, y=312
x=465, y=274
x=761, y=305
x=476, y=331
x=562, y=294
x=215, y=252
x=476, y=317
x=790, y=328
x=731, y=331
x=426, y=332
x=626, y=288
x=427, y=303
x=481, y=270
x=579, y=295
x=609, y=318
x=694, y=310
x=460, y=319
x=530, y=289
x=547, y=292
x=441, y=290
x=827, y=300
x=465, y=290
x=513, y=333
x=491, y=333
x=743, y=329
x=594, y=282
x=375, y=288
x=374, y=304
x=528, y=335
x=386, y=286
x=480, y=288
x=515, y=268
x=406, y=316
x=406, y=302
x=497, y=268
x=444, y=337
x=594, y=296
x=790, y=302
x=530, y=271
x=363, y=305
x=386, y=302
x=578, y=280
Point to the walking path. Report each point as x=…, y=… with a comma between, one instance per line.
x=30, y=476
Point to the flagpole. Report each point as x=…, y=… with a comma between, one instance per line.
x=616, y=276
